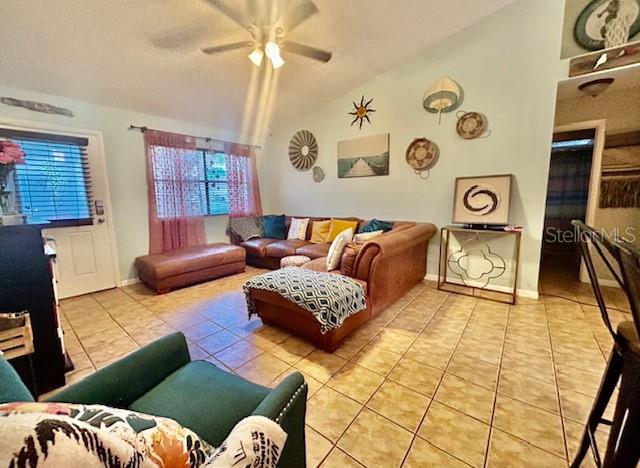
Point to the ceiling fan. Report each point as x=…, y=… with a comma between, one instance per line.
x=268, y=23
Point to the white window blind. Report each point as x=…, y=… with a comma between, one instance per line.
x=54, y=184
x=196, y=184
x=216, y=175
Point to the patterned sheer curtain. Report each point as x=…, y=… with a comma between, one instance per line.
x=242, y=181
x=176, y=200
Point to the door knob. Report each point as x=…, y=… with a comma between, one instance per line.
x=100, y=220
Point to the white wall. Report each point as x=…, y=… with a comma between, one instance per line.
x=508, y=66
x=124, y=153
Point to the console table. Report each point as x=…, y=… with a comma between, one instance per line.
x=474, y=265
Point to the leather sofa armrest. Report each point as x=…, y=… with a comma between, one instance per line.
x=390, y=245
x=126, y=380
x=394, y=243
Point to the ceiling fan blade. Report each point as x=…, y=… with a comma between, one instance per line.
x=307, y=51
x=296, y=14
x=230, y=13
x=225, y=47
x=177, y=38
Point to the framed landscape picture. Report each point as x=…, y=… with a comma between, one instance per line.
x=482, y=200
x=363, y=157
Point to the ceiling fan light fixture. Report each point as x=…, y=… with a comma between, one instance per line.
x=277, y=61
x=272, y=50
x=256, y=57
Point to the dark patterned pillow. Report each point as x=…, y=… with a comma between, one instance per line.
x=376, y=225
x=246, y=227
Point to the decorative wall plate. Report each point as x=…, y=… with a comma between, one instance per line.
x=318, y=174
x=422, y=154
x=600, y=15
x=472, y=125
x=445, y=95
x=303, y=150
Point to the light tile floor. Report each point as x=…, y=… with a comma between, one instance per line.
x=437, y=379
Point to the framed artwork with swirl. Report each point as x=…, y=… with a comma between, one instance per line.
x=482, y=200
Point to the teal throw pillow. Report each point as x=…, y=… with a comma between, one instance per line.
x=274, y=227
x=376, y=225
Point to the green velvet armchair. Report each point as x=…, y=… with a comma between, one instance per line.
x=161, y=379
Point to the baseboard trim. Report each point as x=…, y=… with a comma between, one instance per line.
x=129, y=281
x=528, y=293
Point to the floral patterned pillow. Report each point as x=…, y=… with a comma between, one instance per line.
x=81, y=435
x=73, y=435
x=298, y=228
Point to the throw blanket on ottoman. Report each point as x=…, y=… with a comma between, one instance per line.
x=330, y=297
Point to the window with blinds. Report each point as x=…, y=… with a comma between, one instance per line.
x=54, y=183
x=216, y=183
x=196, y=184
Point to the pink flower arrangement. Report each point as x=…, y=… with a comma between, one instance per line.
x=11, y=153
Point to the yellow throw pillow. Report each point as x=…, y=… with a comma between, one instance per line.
x=339, y=225
x=320, y=231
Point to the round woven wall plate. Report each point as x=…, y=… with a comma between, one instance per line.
x=318, y=174
x=422, y=154
x=303, y=150
x=472, y=125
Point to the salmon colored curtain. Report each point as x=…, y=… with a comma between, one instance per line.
x=242, y=181
x=174, y=185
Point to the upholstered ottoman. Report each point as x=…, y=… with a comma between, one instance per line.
x=182, y=267
x=294, y=260
x=285, y=304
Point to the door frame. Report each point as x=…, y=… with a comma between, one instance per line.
x=596, y=171
x=18, y=124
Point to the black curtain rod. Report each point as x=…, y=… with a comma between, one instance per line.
x=143, y=129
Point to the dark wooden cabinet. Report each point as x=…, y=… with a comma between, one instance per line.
x=26, y=284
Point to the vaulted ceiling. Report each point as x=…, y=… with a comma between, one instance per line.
x=145, y=54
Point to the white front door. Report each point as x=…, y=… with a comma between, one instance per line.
x=86, y=255
x=85, y=248
x=84, y=263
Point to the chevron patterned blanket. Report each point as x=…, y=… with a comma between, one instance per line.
x=330, y=297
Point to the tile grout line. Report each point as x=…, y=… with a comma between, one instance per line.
x=527, y=442
x=555, y=376
x=495, y=396
x=431, y=400
x=335, y=445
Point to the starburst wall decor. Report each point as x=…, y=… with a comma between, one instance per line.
x=361, y=111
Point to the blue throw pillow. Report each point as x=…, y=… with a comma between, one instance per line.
x=274, y=227
x=376, y=225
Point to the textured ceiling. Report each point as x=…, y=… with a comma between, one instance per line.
x=144, y=54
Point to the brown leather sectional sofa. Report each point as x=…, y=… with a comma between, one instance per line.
x=387, y=266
